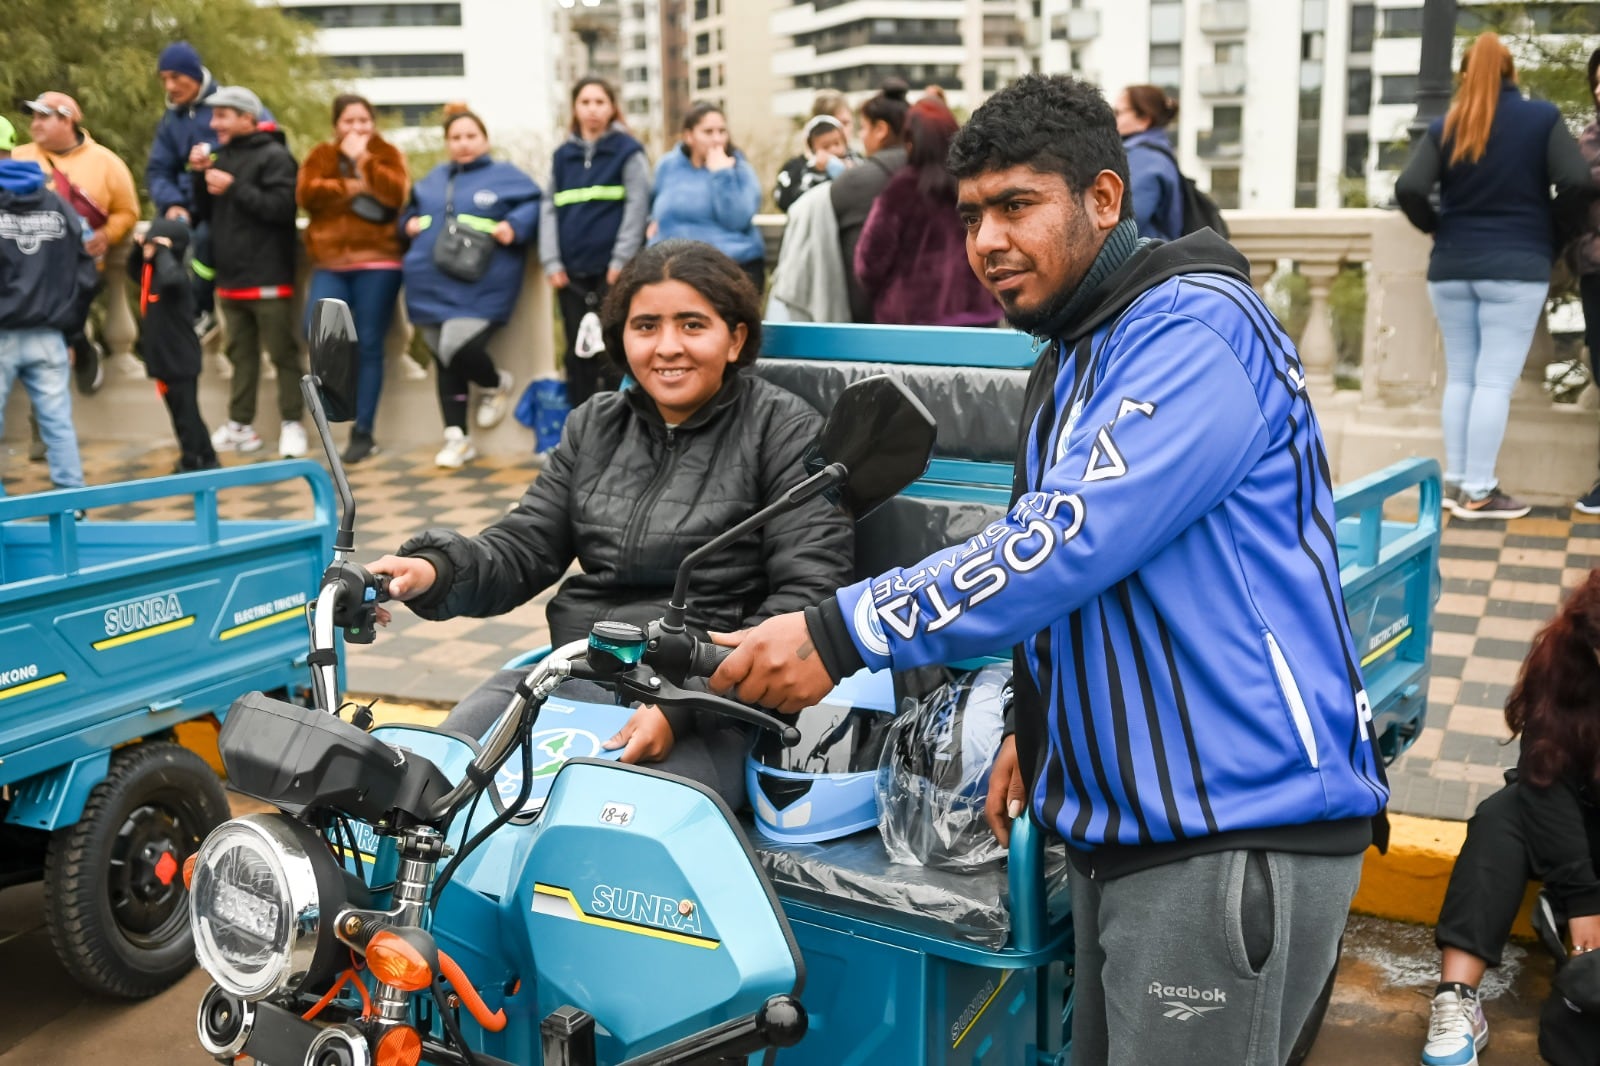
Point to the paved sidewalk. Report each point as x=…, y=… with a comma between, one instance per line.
x=1501, y=580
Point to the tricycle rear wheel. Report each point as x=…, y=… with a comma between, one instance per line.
x=115, y=903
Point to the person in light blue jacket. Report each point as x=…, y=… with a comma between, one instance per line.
x=707, y=191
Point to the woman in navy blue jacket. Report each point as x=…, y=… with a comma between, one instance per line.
x=1143, y=114
x=706, y=191
x=455, y=317
x=1494, y=157
x=594, y=222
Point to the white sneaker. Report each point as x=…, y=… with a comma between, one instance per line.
x=292, y=441
x=1457, y=1029
x=234, y=436
x=457, y=450
x=492, y=406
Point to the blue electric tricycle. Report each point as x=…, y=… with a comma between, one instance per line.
x=524, y=899
x=117, y=635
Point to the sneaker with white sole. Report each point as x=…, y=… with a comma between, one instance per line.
x=1457, y=1029
x=494, y=403
x=1589, y=502
x=292, y=441
x=234, y=436
x=1495, y=504
x=457, y=450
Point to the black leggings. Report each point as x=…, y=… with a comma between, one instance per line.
x=470, y=364
x=181, y=396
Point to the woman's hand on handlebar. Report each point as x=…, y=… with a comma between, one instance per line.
x=409, y=576
x=645, y=737
x=774, y=665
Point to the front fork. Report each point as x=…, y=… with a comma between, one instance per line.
x=420, y=849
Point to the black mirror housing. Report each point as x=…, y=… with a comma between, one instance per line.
x=334, y=358
x=882, y=434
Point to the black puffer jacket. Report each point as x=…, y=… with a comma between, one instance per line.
x=629, y=498
x=253, y=235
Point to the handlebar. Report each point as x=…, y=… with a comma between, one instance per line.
x=706, y=658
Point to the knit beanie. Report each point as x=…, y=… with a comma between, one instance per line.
x=181, y=58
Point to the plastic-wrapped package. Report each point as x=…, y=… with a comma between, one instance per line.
x=934, y=774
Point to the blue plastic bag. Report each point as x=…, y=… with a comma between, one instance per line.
x=543, y=409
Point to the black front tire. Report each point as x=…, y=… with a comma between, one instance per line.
x=117, y=911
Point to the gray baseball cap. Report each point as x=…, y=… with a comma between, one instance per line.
x=238, y=98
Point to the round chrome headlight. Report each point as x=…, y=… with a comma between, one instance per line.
x=255, y=906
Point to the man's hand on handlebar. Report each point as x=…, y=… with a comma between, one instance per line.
x=1007, y=797
x=409, y=576
x=645, y=737
x=774, y=665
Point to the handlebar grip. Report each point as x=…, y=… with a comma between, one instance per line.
x=707, y=657
x=380, y=585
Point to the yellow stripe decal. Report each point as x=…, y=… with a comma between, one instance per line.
x=1004, y=977
x=262, y=623
x=31, y=686
x=621, y=927
x=1388, y=647
x=144, y=634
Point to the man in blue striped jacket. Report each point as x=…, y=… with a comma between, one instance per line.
x=1190, y=713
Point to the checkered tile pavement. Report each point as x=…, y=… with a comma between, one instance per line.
x=1501, y=580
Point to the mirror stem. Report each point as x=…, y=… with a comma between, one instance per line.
x=829, y=476
x=344, y=541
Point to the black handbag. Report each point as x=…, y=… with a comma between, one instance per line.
x=460, y=251
x=369, y=208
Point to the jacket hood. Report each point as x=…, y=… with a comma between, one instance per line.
x=173, y=230
x=18, y=177
x=260, y=136
x=1201, y=252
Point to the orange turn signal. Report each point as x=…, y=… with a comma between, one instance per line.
x=398, y=964
x=188, y=870
x=400, y=1046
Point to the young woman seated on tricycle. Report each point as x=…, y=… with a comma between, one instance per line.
x=641, y=478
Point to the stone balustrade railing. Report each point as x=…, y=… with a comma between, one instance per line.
x=1550, y=450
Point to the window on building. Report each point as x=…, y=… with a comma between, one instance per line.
x=361, y=16
x=1228, y=119
x=438, y=65
x=1392, y=155
x=702, y=78
x=702, y=9
x=1363, y=25
x=1397, y=89
x=1400, y=22
x=1355, y=154
x=720, y=46
x=1225, y=186
x=1166, y=66
x=702, y=43
x=1166, y=21
x=1358, y=91
x=1229, y=53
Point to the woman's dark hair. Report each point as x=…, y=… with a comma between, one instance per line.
x=713, y=275
x=1151, y=103
x=1055, y=124
x=345, y=101
x=1594, y=75
x=1555, y=704
x=454, y=113
x=930, y=127
x=605, y=87
x=889, y=105
x=692, y=118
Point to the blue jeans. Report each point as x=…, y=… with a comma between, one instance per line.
x=1487, y=327
x=38, y=358
x=371, y=295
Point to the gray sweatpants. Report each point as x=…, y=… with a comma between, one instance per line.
x=1213, y=959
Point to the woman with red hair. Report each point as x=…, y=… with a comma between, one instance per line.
x=1544, y=824
x=912, y=256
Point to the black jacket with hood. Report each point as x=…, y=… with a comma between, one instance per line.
x=167, y=344
x=629, y=498
x=253, y=236
x=47, y=279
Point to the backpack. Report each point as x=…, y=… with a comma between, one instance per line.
x=1200, y=211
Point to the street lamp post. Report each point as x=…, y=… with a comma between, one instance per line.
x=1434, y=78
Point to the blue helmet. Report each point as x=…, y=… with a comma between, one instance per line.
x=825, y=786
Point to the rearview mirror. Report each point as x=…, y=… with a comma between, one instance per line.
x=882, y=435
x=333, y=358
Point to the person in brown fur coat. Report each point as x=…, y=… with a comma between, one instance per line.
x=353, y=187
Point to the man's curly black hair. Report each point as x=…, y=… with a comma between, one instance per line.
x=1054, y=124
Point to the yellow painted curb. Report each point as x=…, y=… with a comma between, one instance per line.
x=1408, y=884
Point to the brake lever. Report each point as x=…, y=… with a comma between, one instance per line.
x=647, y=686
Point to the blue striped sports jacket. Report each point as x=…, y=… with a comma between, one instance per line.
x=1168, y=573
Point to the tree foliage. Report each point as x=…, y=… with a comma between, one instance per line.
x=103, y=52
x=1551, y=43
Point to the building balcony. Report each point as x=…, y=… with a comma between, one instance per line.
x=1218, y=145
x=1222, y=79
x=1225, y=17
x=1076, y=26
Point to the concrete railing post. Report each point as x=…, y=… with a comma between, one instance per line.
x=121, y=329
x=1317, y=349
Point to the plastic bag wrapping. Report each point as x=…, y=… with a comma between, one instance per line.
x=976, y=408
x=856, y=876
x=908, y=529
x=934, y=774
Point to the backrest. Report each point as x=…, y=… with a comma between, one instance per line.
x=971, y=380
